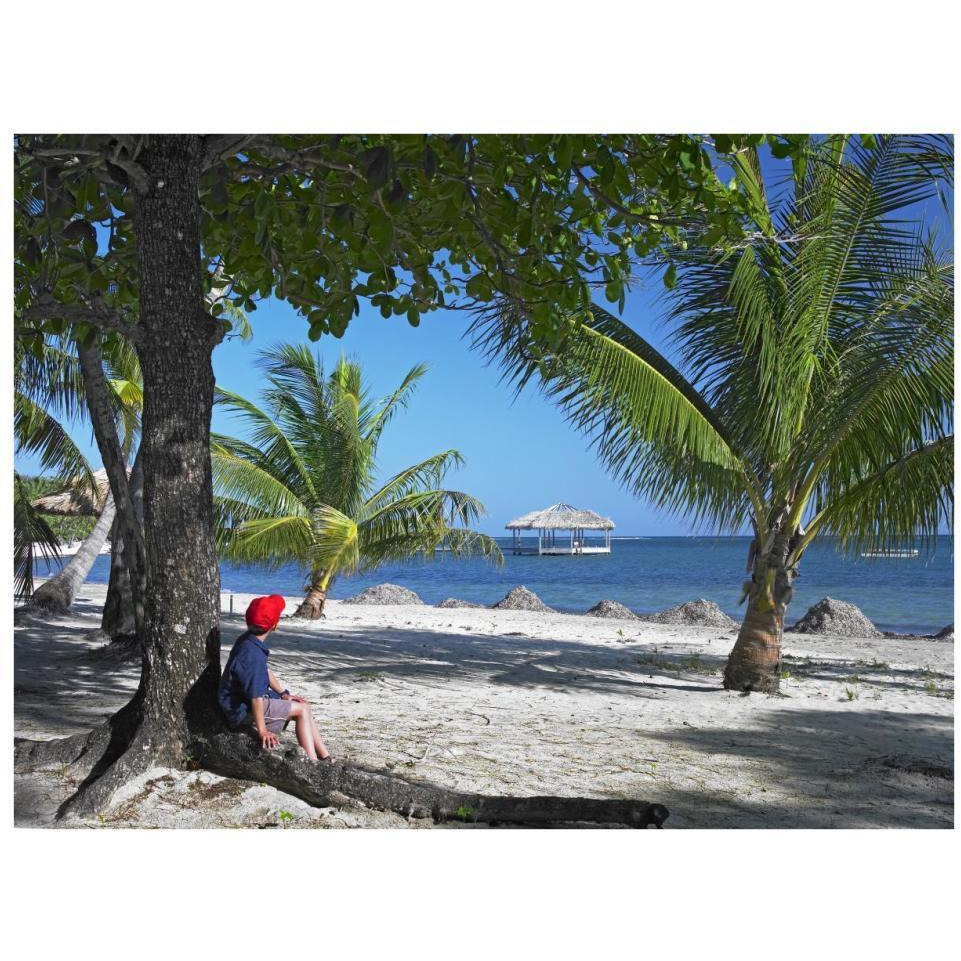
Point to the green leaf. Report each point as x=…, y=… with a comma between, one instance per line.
x=376, y=167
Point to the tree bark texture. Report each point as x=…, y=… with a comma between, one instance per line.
x=755, y=661
x=56, y=595
x=312, y=606
x=120, y=617
x=182, y=642
x=240, y=755
x=97, y=394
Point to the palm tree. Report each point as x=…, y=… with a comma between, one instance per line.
x=32, y=534
x=304, y=488
x=49, y=391
x=814, y=392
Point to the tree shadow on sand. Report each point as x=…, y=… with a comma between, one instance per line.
x=826, y=769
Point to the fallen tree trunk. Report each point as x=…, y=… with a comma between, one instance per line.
x=322, y=785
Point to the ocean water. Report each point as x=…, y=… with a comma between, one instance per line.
x=913, y=595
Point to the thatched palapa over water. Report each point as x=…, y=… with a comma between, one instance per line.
x=562, y=517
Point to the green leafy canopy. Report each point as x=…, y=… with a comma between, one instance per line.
x=409, y=222
x=815, y=379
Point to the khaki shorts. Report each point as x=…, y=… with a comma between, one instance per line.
x=276, y=711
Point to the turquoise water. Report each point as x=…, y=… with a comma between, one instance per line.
x=648, y=574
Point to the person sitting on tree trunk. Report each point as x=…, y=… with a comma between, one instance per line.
x=249, y=687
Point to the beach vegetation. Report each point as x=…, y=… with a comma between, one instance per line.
x=304, y=488
x=153, y=236
x=811, y=390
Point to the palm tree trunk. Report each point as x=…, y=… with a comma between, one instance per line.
x=119, y=615
x=755, y=661
x=97, y=395
x=56, y=595
x=312, y=606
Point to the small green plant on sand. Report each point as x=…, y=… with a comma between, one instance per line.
x=874, y=664
x=852, y=693
x=370, y=676
x=285, y=817
x=464, y=813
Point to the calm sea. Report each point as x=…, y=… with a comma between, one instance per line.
x=648, y=574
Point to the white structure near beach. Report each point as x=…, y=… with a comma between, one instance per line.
x=566, y=521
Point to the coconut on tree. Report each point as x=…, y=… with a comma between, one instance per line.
x=304, y=488
x=813, y=393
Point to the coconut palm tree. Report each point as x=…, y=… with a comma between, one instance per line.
x=32, y=535
x=304, y=488
x=813, y=393
x=48, y=392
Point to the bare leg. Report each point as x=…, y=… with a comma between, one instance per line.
x=305, y=727
x=319, y=745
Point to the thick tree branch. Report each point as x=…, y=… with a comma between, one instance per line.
x=238, y=755
x=96, y=315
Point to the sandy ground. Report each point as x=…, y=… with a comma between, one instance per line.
x=522, y=703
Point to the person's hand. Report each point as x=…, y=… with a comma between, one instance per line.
x=297, y=698
x=268, y=740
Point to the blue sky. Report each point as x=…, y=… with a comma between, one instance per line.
x=520, y=454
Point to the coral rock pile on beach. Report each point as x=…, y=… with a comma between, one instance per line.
x=457, y=602
x=699, y=613
x=839, y=618
x=612, y=609
x=385, y=594
x=521, y=599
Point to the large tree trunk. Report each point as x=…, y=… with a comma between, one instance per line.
x=755, y=661
x=180, y=640
x=56, y=595
x=120, y=618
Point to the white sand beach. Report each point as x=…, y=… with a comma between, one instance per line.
x=527, y=703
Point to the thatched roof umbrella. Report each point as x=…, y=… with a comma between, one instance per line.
x=76, y=501
x=567, y=518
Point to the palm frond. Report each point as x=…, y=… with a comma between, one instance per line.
x=901, y=505
x=634, y=405
x=268, y=541
x=31, y=535
x=335, y=548
x=429, y=473
x=36, y=432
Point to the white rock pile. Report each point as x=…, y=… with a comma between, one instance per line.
x=521, y=599
x=457, y=602
x=385, y=594
x=829, y=616
x=699, y=613
x=613, y=609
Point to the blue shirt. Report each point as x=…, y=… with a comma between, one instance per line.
x=244, y=678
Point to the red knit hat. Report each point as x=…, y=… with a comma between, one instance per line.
x=263, y=613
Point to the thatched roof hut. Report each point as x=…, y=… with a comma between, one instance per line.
x=76, y=501
x=562, y=517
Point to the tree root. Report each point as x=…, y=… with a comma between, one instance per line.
x=103, y=759
x=240, y=756
x=119, y=750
